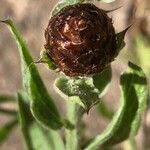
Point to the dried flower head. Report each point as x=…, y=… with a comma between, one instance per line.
x=81, y=40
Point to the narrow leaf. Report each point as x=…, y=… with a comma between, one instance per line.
x=33, y=135
x=58, y=7
x=133, y=103
x=6, y=129
x=7, y=111
x=55, y=140
x=63, y=3
x=120, y=39
x=43, y=107
x=46, y=60
x=7, y=98
x=102, y=81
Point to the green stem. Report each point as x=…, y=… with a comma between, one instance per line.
x=74, y=114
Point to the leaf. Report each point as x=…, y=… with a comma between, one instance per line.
x=59, y=6
x=7, y=98
x=63, y=3
x=126, y=121
x=42, y=105
x=120, y=39
x=7, y=111
x=6, y=129
x=55, y=140
x=101, y=81
x=46, y=60
x=84, y=91
x=34, y=135
x=79, y=90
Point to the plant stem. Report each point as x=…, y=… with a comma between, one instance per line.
x=74, y=114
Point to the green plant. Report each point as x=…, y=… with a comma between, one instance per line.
x=39, y=116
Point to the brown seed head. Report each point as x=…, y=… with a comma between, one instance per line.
x=81, y=40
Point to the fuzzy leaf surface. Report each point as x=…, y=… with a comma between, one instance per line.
x=126, y=121
x=81, y=91
x=36, y=137
x=85, y=91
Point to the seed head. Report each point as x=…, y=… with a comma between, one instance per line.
x=81, y=40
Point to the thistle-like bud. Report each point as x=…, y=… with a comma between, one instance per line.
x=81, y=40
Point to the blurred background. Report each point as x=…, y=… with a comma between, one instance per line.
x=31, y=18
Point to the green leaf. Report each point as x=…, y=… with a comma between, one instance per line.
x=36, y=137
x=102, y=80
x=84, y=91
x=58, y=7
x=6, y=129
x=42, y=105
x=126, y=121
x=63, y=3
x=7, y=111
x=79, y=90
x=7, y=98
x=120, y=39
x=55, y=140
x=46, y=60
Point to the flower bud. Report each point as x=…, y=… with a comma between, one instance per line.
x=81, y=40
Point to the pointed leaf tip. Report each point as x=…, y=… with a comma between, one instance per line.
x=43, y=107
x=133, y=66
x=120, y=39
x=6, y=21
x=108, y=11
x=121, y=35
